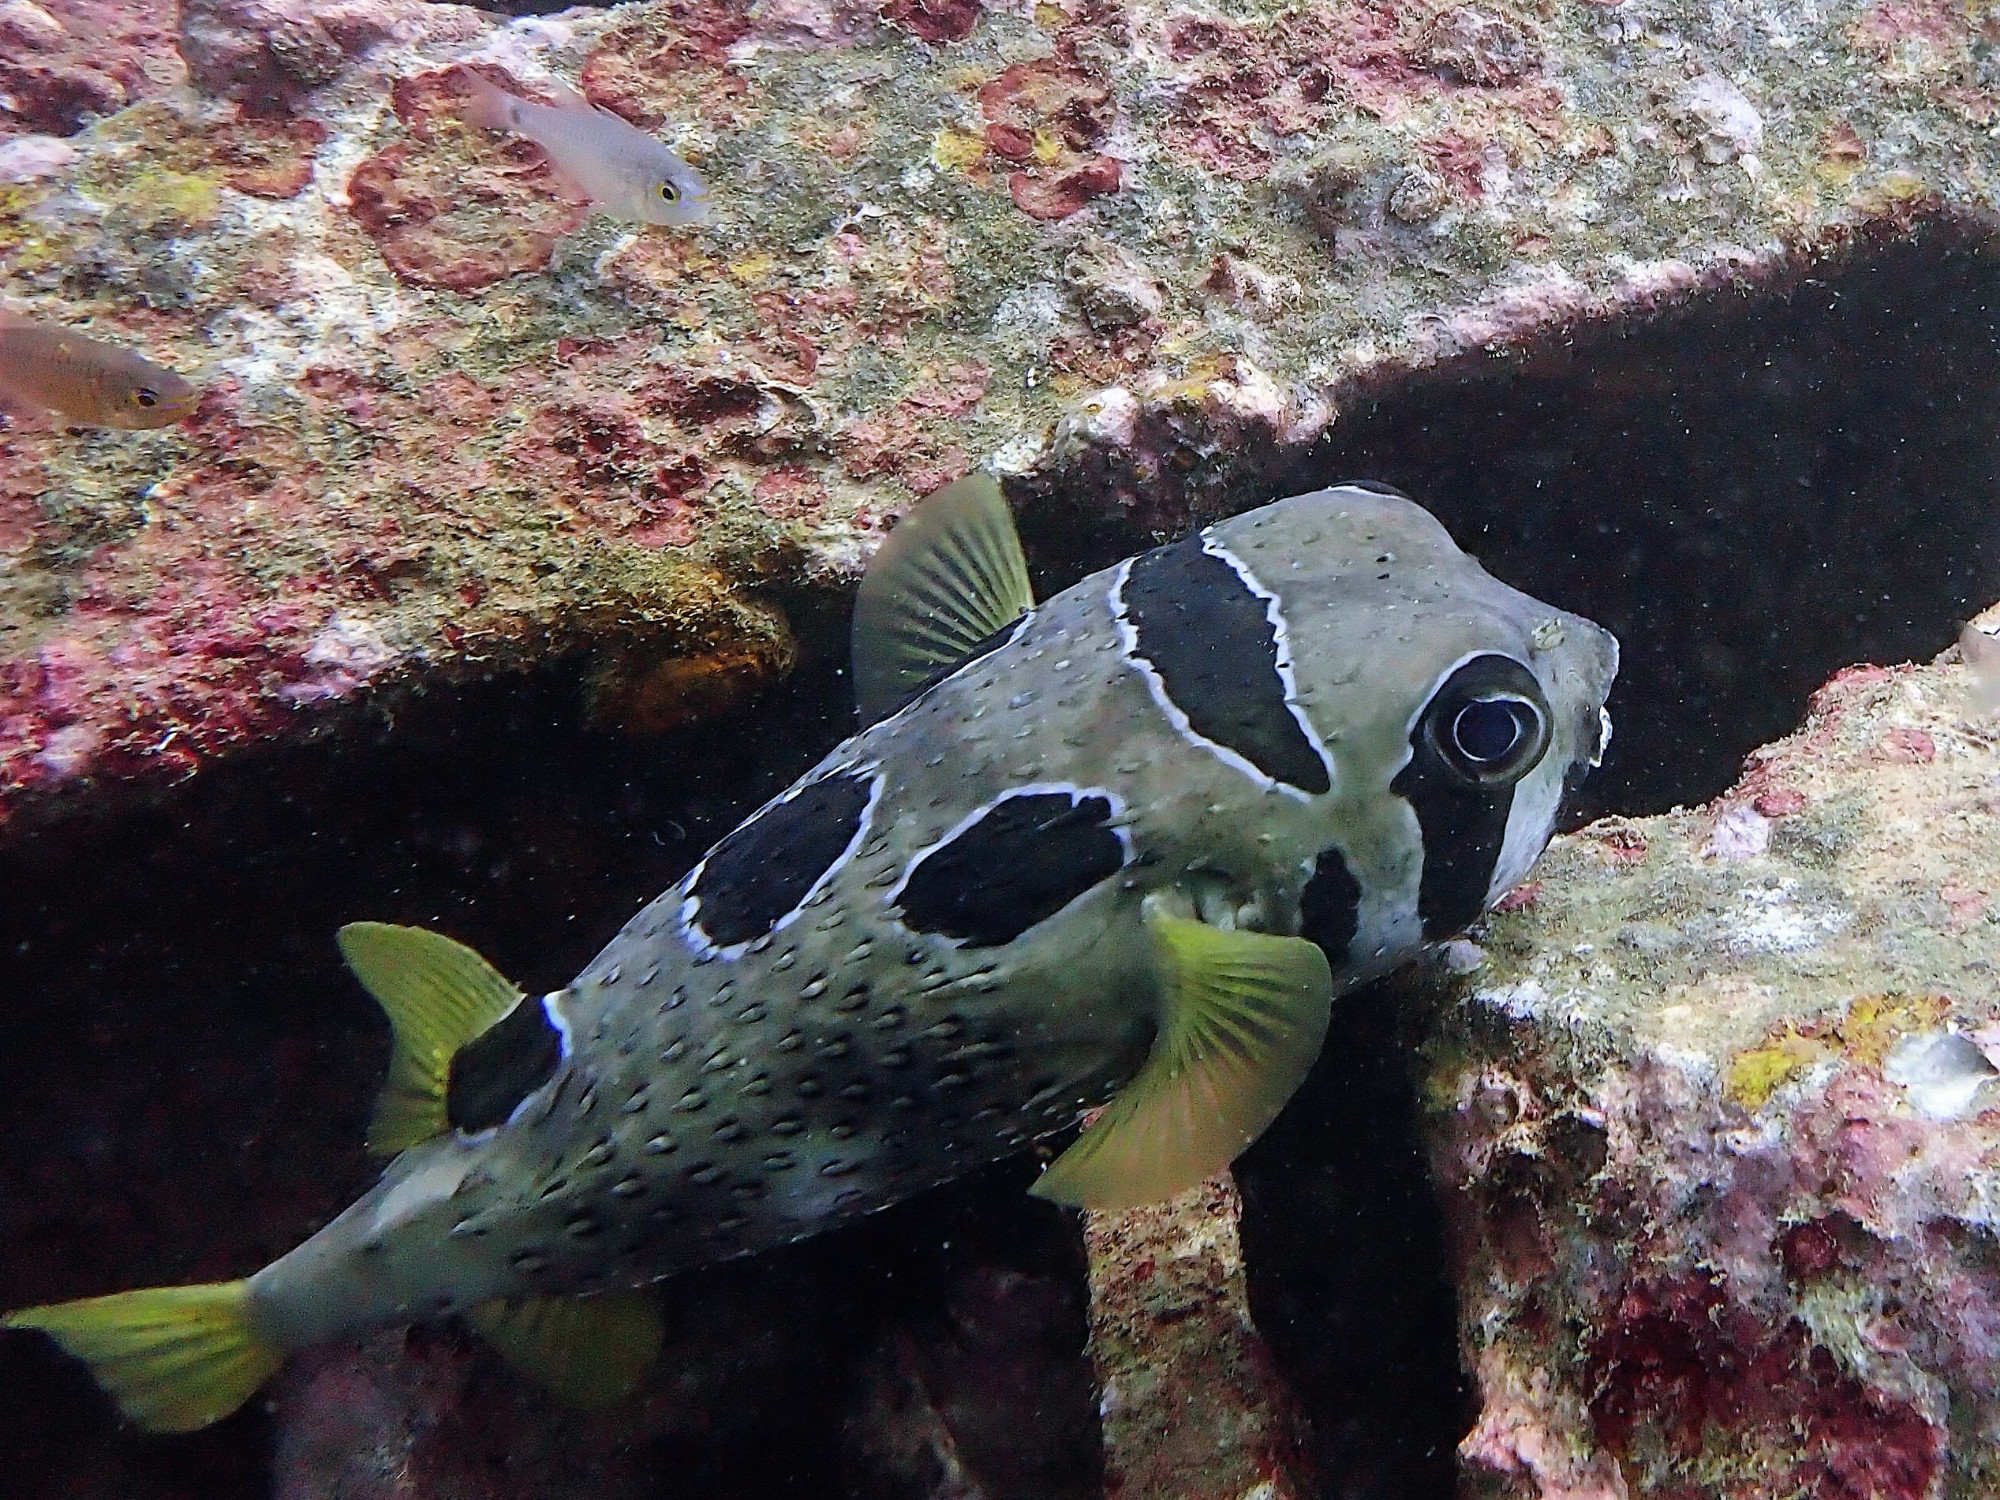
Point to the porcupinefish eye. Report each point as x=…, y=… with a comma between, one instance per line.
x=669, y=193
x=1488, y=731
x=146, y=397
x=1489, y=724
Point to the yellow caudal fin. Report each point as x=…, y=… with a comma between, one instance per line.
x=174, y=1357
x=587, y=1351
x=438, y=996
x=1241, y=1022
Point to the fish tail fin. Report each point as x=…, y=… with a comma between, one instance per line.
x=490, y=107
x=174, y=1357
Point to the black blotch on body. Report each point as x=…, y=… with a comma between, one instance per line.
x=1330, y=906
x=500, y=1067
x=1464, y=824
x=763, y=870
x=1210, y=638
x=1022, y=861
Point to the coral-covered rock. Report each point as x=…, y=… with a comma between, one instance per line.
x=454, y=208
x=440, y=398
x=270, y=54
x=68, y=62
x=1712, y=1124
x=1192, y=1405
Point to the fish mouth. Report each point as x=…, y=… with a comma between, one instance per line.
x=174, y=408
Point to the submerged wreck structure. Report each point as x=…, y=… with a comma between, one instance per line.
x=504, y=563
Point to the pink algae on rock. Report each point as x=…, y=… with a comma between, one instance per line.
x=270, y=55
x=935, y=21
x=64, y=63
x=1046, y=117
x=454, y=208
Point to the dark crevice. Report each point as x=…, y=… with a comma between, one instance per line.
x=1345, y=1253
x=1751, y=493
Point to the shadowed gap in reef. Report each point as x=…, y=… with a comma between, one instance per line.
x=1752, y=492
x=188, y=1070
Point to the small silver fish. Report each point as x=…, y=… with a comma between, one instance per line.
x=1124, y=844
x=627, y=173
x=47, y=368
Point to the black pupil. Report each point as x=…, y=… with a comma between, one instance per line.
x=1486, y=731
x=147, y=398
x=667, y=191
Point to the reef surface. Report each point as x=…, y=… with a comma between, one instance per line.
x=1135, y=256
x=1713, y=1123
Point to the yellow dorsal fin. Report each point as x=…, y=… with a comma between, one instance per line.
x=950, y=575
x=587, y=1351
x=1243, y=1019
x=174, y=1357
x=438, y=996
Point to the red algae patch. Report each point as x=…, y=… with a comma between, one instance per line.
x=450, y=210
x=64, y=63
x=267, y=158
x=669, y=63
x=934, y=21
x=1046, y=117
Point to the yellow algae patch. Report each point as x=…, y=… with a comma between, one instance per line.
x=956, y=149
x=19, y=236
x=171, y=200
x=1757, y=1074
x=752, y=268
x=1048, y=147
x=1872, y=1026
x=1875, y=1023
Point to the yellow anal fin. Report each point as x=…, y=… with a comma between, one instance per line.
x=174, y=1357
x=950, y=576
x=1243, y=1018
x=587, y=1351
x=438, y=995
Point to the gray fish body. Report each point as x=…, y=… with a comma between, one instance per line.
x=933, y=948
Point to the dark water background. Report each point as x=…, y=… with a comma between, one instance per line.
x=1752, y=493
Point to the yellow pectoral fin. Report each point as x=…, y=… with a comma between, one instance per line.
x=1243, y=1019
x=587, y=1351
x=438, y=996
x=174, y=1357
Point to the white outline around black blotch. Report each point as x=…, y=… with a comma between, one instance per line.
x=1281, y=643
x=1117, y=823
x=699, y=943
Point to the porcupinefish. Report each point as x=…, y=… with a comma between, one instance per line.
x=47, y=368
x=597, y=155
x=1125, y=845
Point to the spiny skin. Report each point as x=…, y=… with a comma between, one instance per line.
x=716, y=1103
